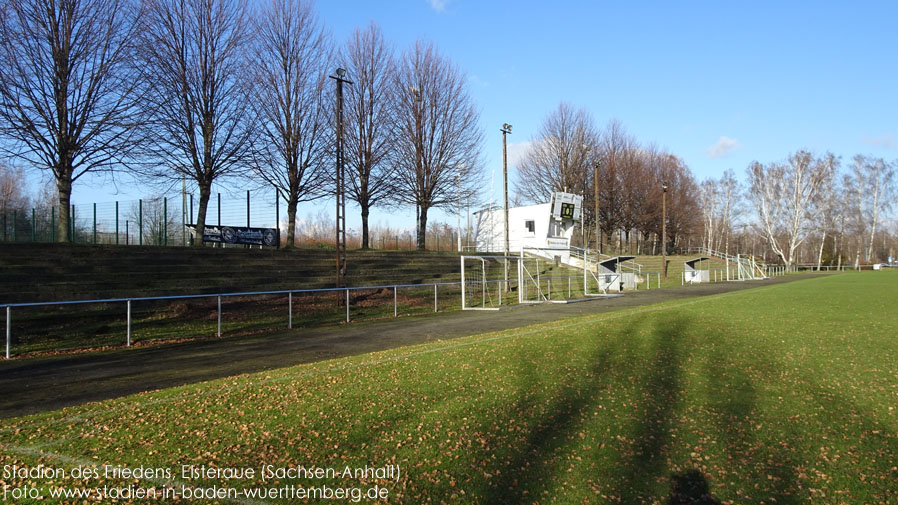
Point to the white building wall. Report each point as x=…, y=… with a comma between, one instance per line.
x=489, y=233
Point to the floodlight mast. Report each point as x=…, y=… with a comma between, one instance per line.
x=341, y=181
x=506, y=129
x=664, y=231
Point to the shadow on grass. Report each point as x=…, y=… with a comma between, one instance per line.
x=524, y=467
x=536, y=464
x=734, y=396
x=647, y=462
x=690, y=488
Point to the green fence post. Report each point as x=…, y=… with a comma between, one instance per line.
x=52, y=224
x=4, y=226
x=247, y=208
x=165, y=221
x=140, y=222
x=95, y=223
x=72, y=224
x=32, y=224
x=116, y=222
x=14, y=234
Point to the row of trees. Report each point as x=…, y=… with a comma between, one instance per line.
x=805, y=208
x=611, y=167
x=806, y=204
x=204, y=90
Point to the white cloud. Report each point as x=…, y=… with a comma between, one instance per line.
x=476, y=80
x=438, y=5
x=516, y=153
x=888, y=141
x=723, y=147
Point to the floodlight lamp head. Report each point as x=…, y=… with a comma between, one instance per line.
x=341, y=72
x=506, y=127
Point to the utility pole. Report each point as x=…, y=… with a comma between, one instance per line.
x=595, y=198
x=664, y=231
x=341, y=181
x=506, y=129
x=458, y=225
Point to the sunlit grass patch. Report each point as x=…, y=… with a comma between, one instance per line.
x=783, y=394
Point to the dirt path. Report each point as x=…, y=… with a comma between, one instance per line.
x=31, y=385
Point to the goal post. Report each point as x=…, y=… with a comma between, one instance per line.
x=484, y=283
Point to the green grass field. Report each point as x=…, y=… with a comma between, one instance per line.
x=782, y=394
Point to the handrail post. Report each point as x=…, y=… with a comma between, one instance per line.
x=128, y=337
x=434, y=297
x=290, y=310
x=395, y=301
x=347, y=305
x=219, y=317
x=8, y=329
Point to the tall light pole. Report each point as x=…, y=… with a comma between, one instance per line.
x=506, y=129
x=458, y=214
x=664, y=231
x=595, y=201
x=341, y=181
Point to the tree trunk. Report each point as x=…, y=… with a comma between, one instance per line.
x=365, y=211
x=422, y=228
x=64, y=225
x=820, y=252
x=291, y=223
x=205, y=192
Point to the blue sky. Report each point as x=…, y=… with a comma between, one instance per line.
x=717, y=83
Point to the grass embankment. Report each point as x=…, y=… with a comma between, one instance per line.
x=784, y=394
x=52, y=272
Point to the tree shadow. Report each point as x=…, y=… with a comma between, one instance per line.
x=690, y=488
x=524, y=467
x=652, y=428
x=734, y=397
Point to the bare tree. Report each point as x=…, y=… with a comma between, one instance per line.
x=709, y=203
x=830, y=200
x=12, y=189
x=199, y=97
x=682, y=204
x=783, y=196
x=68, y=88
x=292, y=58
x=370, y=115
x=614, y=143
x=873, y=187
x=438, y=136
x=559, y=156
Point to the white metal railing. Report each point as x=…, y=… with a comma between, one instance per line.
x=288, y=292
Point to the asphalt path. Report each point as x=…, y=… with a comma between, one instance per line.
x=37, y=384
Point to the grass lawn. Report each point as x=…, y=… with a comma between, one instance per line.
x=783, y=394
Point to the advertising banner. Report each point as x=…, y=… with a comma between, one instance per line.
x=240, y=235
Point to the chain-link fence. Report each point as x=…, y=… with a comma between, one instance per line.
x=166, y=220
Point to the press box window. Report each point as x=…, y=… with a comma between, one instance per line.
x=531, y=226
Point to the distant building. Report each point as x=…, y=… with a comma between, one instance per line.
x=537, y=227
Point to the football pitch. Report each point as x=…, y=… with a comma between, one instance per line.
x=781, y=394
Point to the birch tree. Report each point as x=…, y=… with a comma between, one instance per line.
x=783, y=195
x=873, y=181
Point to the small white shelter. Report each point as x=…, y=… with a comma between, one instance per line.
x=531, y=227
x=611, y=278
x=692, y=274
